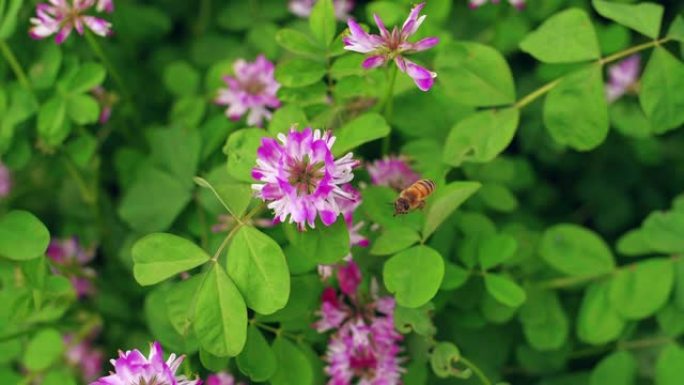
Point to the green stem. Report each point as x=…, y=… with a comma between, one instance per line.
x=388, y=105
x=478, y=373
x=86, y=194
x=534, y=95
x=14, y=64
x=204, y=16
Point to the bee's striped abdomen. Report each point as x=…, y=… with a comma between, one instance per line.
x=425, y=186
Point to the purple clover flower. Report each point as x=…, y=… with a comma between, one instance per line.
x=518, y=4
x=364, y=349
x=393, y=45
x=133, y=368
x=301, y=179
x=221, y=378
x=252, y=88
x=60, y=17
x=622, y=77
x=302, y=8
x=70, y=257
x=392, y=171
x=82, y=355
x=5, y=181
x=106, y=100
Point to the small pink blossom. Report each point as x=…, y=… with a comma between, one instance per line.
x=622, y=77
x=82, y=355
x=60, y=17
x=70, y=259
x=302, y=8
x=5, y=181
x=394, y=45
x=349, y=277
x=392, y=171
x=518, y=4
x=133, y=368
x=222, y=378
x=348, y=206
x=253, y=87
x=300, y=178
x=106, y=100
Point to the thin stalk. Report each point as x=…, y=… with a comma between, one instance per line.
x=529, y=98
x=389, y=105
x=15, y=65
x=478, y=373
x=225, y=242
x=86, y=194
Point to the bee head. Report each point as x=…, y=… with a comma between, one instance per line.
x=401, y=206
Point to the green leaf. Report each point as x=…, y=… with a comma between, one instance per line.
x=565, y=37
x=496, y=249
x=671, y=320
x=644, y=18
x=619, y=368
x=494, y=311
x=44, y=349
x=668, y=368
x=287, y=117
x=62, y=376
x=481, y=136
x=160, y=256
x=52, y=126
x=299, y=72
x=444, y=202
x=241, y=149
x=8, y=20
x=575, y=250
x=87, y=77
x=154, y=200
x=22, y=236
x=181, y=79
x=220, y=315
x=212, y=362
x=293, y=366
x=188, y=111
x=498, y=197
x=544, y=321
x=298, y=42
x=629, y=119
x=256, y=264
x=660, y=93
x=83, y=109
x=442, y=358
x=454, y=276
x=180, y=298
x=678, y=299
x=234, y=197
x=176, y=150
x=43, y=71
x=640, y=290
x=365, y=128
x=414, y=275
x=576, y=111
x=598, y=321
x=324, y=244
x=676, y=31
x=418, y=320
x=394, y=240
x=504, y=290
x=475, y=74
x=160, y=324
x=664, y=231
x=257, y=360
x=322, y=21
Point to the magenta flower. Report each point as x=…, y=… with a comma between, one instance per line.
x=623, y=77
x=82, y=355
x=393, y=45
x=60, y=17
x=364, y=349
x=105, y=6
x=132, y=368
x=221, y=378
x=392, y=171
x=5, y=181
x=300, y=178
x=518, y=4
x=347, y=207
x=106, y=100
x=302, y=8
x=252, y=88
x=70, y=258
x=349, y=277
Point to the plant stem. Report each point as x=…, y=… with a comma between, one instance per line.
x=14, y=64
x=388, y=105
x=203, y=17
x=86, y=194
x=480, y=375
x=534, y=95
x=225, y=241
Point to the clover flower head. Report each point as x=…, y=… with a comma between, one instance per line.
x=60, y=17
x=518, y=4
x=253, y=87
x=82, y=355
x=68, y=255
x=302, y=8
x=392, y=171
x=622, y=77
x=393, y=45
x=5, y=181
x=300, y=178
x=133, y=368
x=221, y=378
x=106, y=100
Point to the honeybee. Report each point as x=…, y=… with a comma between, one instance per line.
x=413, y=197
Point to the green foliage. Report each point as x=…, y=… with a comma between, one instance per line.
x=324, y=244
x=414, y=275
x=22, y=236
x=574, y=250
x=658, y=97
x=160, y=256
x=644, y=18
x=257, y=360
x=293, y=366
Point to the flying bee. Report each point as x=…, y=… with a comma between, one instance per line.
x=413, y=197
